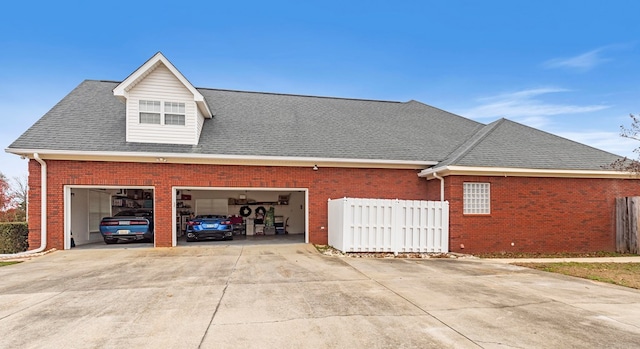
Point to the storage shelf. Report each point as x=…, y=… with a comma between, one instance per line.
x=266, y=203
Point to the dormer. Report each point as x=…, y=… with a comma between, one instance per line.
x=161, y=104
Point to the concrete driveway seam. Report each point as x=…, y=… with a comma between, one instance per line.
x=32, y=305
x=224, y=290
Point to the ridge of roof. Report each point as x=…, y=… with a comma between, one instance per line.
x=287, y=94
x=299, y=95
x=482, y=133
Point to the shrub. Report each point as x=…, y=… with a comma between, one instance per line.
x=14, y=237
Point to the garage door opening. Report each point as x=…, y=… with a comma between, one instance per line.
x=86, y=206
x=260, y=215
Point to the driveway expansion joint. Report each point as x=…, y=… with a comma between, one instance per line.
x=224, y=290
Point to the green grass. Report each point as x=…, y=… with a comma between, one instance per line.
x=553, y=255
x=2, y=264
x=623, y=274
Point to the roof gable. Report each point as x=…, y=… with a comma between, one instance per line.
x=122, y=90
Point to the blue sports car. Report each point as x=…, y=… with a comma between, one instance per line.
x=204, y=227
x=129, y=225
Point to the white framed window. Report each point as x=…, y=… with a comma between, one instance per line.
x=167, y=113
x=476, y=198
x=150, y=112
x=174, y=113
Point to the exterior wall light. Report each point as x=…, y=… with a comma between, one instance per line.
x=315, y=167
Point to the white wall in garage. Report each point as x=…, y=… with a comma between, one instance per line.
x=80, y=216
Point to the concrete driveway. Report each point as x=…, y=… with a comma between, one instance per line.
x=290, y=296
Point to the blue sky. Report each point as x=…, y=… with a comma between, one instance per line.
x=571, y=68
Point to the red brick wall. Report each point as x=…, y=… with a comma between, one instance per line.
x=536, y=214
x=322, y=184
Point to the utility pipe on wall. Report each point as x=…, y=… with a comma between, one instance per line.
x=43, y=211
x=435, y=175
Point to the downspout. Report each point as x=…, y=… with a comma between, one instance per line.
x=442, y=212
x=43, y=211
x=435, y=175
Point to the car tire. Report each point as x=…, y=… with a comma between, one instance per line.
x=229, y=238
x=191, y=240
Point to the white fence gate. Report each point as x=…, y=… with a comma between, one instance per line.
x=379, y=225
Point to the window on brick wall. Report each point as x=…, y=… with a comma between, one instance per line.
x=476, y=198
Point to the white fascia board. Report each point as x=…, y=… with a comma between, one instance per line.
x=523, y=172
x=122, y=90
x=220, y=159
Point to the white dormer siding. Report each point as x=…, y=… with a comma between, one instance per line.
x=162, y=86
x=200, y=122
x=173, y=111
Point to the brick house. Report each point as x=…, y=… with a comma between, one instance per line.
x=154, y=140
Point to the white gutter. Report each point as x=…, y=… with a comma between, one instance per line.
x=43, y=211
x=221, y=157
x=435, y=175
x=524, y=172
x=256, y=160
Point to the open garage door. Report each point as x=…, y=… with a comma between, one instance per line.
x=86, y=206
x=255, y=213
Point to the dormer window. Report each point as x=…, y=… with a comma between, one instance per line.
x=150, y=112
x=167, y=113
x=174, y=113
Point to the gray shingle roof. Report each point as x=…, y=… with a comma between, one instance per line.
x=505, y=143
x=90, y=118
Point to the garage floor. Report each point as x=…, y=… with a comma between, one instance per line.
x=237, y=241
x=248, y=240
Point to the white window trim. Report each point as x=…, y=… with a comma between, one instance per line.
x=163, y=112
x=476, y=198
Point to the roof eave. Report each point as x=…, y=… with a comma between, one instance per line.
x=220, y=159
x=443, y=171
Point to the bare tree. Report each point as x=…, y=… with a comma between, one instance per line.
x=6, y=197
x=20, y=194
x=632, y=132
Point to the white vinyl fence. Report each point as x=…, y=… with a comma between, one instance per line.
x=382, y=225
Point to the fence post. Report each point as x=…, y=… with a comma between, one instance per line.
x=627, y=224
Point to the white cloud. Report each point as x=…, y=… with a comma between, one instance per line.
x=582, y=62
x=524, y=105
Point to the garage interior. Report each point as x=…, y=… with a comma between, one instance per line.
x=89, y=205
x=255, y=212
